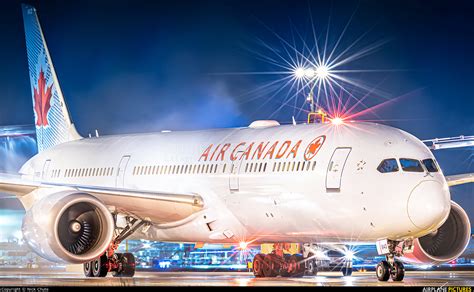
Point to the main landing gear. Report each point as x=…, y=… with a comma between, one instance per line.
x=392, y=267
x=308, y=263
x=120, y=264
x=277, y=263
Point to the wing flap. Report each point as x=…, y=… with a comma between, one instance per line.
x=157, y=206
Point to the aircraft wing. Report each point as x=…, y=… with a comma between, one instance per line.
x=16, y=131
x=447, y=143
x=459, y=179
x=160, y=207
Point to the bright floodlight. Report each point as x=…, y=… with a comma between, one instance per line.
x=322, y=72
x=320, y=254
x=309, y=73
x=299, y=73
x=243, y=245
x=349, y=255
x=337, y=121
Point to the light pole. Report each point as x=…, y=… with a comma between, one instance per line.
x=313, y=75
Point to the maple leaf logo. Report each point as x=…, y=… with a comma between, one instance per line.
x=42, y=97
x=313, y=147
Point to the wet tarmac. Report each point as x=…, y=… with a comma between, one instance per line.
x=412, y=278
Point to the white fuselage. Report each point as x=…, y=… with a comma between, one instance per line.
x=285, y=187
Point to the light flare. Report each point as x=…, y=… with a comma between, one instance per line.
x=322, y=72
x=337, y=121
x=349, y=255
x=316, y=64
x=299, y=73
x=309, y=73
x=243, y=245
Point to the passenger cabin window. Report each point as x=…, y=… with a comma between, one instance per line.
x=388, y=165
x=430, y=165
x=411, y=165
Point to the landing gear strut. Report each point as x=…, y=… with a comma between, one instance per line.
x=121, y=264
x=277, y=263
x=392, y=267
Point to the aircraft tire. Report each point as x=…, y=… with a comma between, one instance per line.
x=383, y=271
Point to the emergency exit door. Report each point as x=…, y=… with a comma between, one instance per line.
x=45, y=172
x=336, y=168
x=234, y=184
x=120, y=179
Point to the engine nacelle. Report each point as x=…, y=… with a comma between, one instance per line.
x=446, y=243
x=68, y=227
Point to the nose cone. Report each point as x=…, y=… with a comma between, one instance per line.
x=429, y=204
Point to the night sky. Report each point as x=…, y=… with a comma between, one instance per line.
x=135, y=66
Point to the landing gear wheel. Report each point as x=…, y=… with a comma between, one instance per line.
x=117, y=259
x=123, y=265
x=296, y=261
x=128, y=261
x=99, y=266
x=346, y=272
x=398, y=271
x=88, y=269
x=285, y=272
x=271, y=267
x=258, y=265
x=383, y=271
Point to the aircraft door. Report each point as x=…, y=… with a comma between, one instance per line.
x=44, y=174
x=336, y=168
x=120, y=178
x=235, y=172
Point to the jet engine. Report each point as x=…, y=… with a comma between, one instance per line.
x=446, y=243
x=68, y=227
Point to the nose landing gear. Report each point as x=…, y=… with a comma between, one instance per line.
x=391, y=267
x=384, y=271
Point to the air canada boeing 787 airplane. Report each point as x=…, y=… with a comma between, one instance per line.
x=314, y=184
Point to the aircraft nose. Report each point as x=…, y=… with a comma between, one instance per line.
x=429, y=203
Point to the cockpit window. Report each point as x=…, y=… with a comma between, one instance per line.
x=411, y=165
x=388, y=165
x=430, y=165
